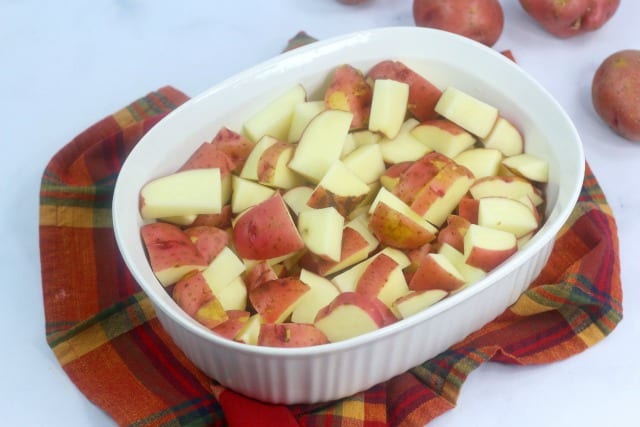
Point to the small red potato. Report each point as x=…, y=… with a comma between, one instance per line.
x=209, y=241
x=436, y=272
x=258, y=274
x=192, y=292
x=480, y=20
x=236, y=319
x=396, y=229
x=171, y=252
x=569, y=18
x=290, y=335
x=275, y=299
x=349, y=91
x=413, y=179
x=354, y=249
x=416, y=256
x=468, y=209
x=615, y=93
x=423, y=95
x=266, y=230
x=220, y=220
x=453, y=233
x=234, y=145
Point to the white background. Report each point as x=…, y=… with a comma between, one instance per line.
x=63, y=67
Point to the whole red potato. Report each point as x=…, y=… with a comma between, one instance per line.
x=615, y=93
x=567, y=18
x=480, y=20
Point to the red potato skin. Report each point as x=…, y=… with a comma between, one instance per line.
x=453, y=233
x=230, y=327
x=385, y=312
x=416, y=176
x=290, y=335
x=352, y=241
x=234, y=145
x=258, y=274
x=322, y=198
x=377, y=310
x=219, y=220
x=375, y=275
x=415, y=257
x=394, y=229
x=271, y=296
x=445, y=125
x=615, y=93
x=391, y=177
x=423, y=95
x=315, y=264
x=479, y=20
x=191, y=292
x=365, y=302
x=430, y=276
x=168, y=246
x=509, y=54
x=600, y=11
x=349, y=91
x=209, y=156
x=438, y=186
x=506, y=180
x=468, y=209
x=478, y=258
x=570, y=18
x=269, y=160
x=208, y=240
x=266, y=231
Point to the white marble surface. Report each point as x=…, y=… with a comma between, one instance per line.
x=64, y=66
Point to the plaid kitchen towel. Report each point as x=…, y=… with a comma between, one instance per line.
x=104, y=332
